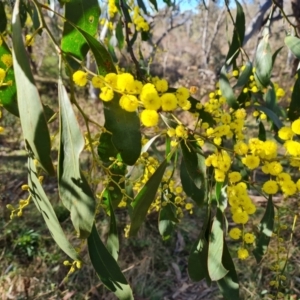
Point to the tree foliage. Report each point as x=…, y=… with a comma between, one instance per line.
x=140, y=109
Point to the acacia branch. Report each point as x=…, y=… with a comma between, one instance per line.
x=129, y=46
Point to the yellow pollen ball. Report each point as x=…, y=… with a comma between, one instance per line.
x=149, y=118
x=80, y=78
x=296, y=126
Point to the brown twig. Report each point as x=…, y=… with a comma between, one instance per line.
x=129, y=46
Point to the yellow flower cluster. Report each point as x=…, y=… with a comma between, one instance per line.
x=152, y=96
x=221, y=161
x=112, y=8
x=6, y=62
x=139, y=22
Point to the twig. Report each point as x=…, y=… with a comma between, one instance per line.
x=129, y=46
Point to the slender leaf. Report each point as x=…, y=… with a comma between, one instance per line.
x=270, y=98
x=31, y=111
x=120, y=34
x=238, y=34
x=274, y=56
x=44, y=206
x=263, y=62
x=154, y=3
x=8, y=93
x=262, y=132
x=266, y=228
x=85, y=15
x=145, y=197
x=141, y=4
x=166, y=221
x=74, y=190
x=226, y=89
x=229, y=285
x=293, y=44
x=198, y=258
x=191, y=163
x=244, y=76
x=189, y=187
x=216, y=269
x=271, y=115
x=112, y=242
x=107, y=268
x=3, y=19
x=294, y=108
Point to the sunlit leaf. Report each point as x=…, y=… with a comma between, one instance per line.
x=226, y=89
x=216, y=269
x=107, y=268
x=228, y=285
x=145, y=197
x=263, y=62
x=74, y=189
x=266, y=228
x=293, y=44
x=33, y=121
x=198, y=258
x=85, y=15
x=45, y=208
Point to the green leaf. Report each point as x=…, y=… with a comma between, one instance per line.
x=262, y=132
x=74, y=190
x=271, y=115
x=189, y=187
x=85, y=15
x=197, y=262
x=165, y=224
x=124, y=126
x=145, y=197
x=270, y=98
x=227, y=90
x=44, y=206
x=228, y=285
x=244, y=76
x=266, y=228
x=154, y=3
x=141, y=5
x=275, y=55
x=112, y=242
x=8, y=94
x=238, y=34
x=120, y=35
x=294, y=108
x=107, y=268
x=216, y=269
x=31, y=111
x=3, y=19
x=190, y=158
x=293, y=44
x=263, y=62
